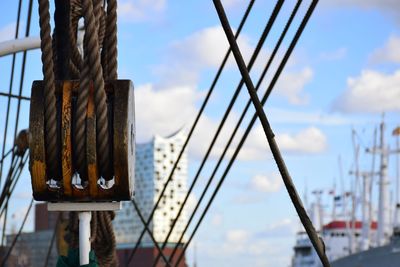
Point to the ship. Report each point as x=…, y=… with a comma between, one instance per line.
x=351, y=241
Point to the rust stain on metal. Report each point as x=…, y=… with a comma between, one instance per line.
x=66, y=149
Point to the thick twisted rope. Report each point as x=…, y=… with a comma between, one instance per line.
x=102, y=235
x=92, y=70
x=100, y=98
x=49, y=93
x=111, y=40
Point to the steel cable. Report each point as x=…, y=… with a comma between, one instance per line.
x=315, y=239
x=53, y=237
x=211, y=89
x=17, y=235
x=261, y=78
x=9, y=152
x=252, y=60
x=146, y=228
x=10, y=91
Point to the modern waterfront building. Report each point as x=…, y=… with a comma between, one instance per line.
x=154, y=162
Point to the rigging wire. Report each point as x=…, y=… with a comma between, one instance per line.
x=146, y=228
x=9, y=188
x=232, y=136
x=211, y=89
x=17, y=235
x=10, y=90
x=315, y=239
x=253, y=58
x=9, y=152
x=14, y=96
x=53, y=237
x=15, y=179
x=21, y=84
x=14, y=163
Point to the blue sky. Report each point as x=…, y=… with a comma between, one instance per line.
x=343, y=74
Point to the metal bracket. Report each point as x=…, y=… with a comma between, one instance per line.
x=83, y=206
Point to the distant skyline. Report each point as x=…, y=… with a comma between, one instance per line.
x=344, y=72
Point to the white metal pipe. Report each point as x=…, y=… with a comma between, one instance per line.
x=84, y=236
x=18, y=45
x=384, y=208
x=365, y=213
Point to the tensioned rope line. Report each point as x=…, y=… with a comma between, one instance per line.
x=211, y=89
x=49, y=88
x=21, y=84
x=9, y=152
x=13, y=176
x=10, y=90
x=17, y=235
x=53, y=238
x=149, y=232
x=261, y=78
x=315, y=239
x=14, y=172
x=14, y=96
x=14, y=163
x=269, y=90
x=22, y=78
x=110, y=46
x=251, y=62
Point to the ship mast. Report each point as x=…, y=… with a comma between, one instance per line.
x=383, y=205
x=396, y=223
x=366, y=211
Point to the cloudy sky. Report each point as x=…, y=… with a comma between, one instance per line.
x=343, y=74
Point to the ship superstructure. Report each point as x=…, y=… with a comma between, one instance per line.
x=358, y=238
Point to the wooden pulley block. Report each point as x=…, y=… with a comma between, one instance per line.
x=68, y=186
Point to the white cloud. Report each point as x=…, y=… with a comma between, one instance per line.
x=266, y=184
x=337, y=54
x=231, y=3
x=291, y=85
x=315, y=117
x=390, y=52
x=310, y=140
x=217, y=219
x=237, y=236
x=163, y=110
x=7, y=32
x=197, y=52
x=140, y=10
x=254, y=247
x=191, y=203
x=381, y=4
x=372, y=91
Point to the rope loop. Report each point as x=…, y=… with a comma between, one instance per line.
x=91, y=61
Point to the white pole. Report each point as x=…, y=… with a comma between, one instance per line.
x=84, y=236
x=397, y=170
x=18, y=45
x=365, y=213
x=384, y=209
